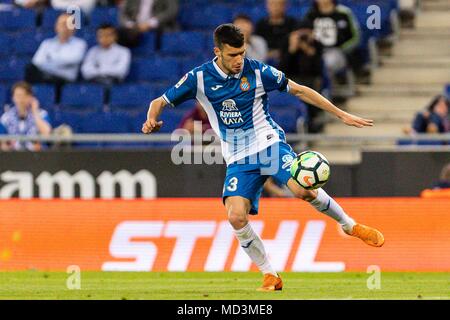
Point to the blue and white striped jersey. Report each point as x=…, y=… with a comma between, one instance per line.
x=237, y=105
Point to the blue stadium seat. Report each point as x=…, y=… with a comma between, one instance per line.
x=72, y=119
x=131, y=97
x=102, y=15
x=82, y=97
x=298, y=11
x=191, y=62
x=13, y=70
x=89, y=35
x=136, y=121
x=147, y=45
x=27, y=43
x=105, y=122
x=3, y=96
x=254, y=12
x=279, y=99
x=171, y=120
x=17, y=19
x=208, y=18
x=155, y=69
x=286, y=109
x=286, y=119
x=359, y=9
x=187, y=42
x=45, y=93
x=6, y=41
x=447, y=91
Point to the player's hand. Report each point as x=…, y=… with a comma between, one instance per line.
x=355, y=121
x=151, y=125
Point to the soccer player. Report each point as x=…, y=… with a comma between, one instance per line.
x=233, y=91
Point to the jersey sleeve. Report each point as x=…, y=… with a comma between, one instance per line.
x=184, y=90
x=273, y=79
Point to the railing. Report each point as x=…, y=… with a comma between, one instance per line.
x=161, y=137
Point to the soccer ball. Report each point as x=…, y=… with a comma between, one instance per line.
x=311, y=170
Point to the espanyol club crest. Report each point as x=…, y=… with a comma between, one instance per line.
x=245, y=85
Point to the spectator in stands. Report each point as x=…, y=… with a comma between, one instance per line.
x=108, y=3
x=24, y=118
x=196, y=114
x=434, y=119
x=444, y=179
x=108, y=62
x=441, y=188
x=337, y=29
x=301, y=60
x=58, y=59
x=256, y=46
x=140, y=16
x=85, y=5
x=275, y=28
x=31, y=4
x=38, y=5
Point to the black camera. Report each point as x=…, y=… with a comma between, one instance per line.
x=304, y=37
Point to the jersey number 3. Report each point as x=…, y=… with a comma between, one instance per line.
x=232, y=184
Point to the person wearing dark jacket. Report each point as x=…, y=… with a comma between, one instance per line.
x=302, y=62
x=140, y=16
x=275, y=27
x=337, y=29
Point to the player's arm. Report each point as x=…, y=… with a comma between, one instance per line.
x=312, y=97
x=154, y=111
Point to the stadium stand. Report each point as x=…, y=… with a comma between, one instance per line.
x=156, y=64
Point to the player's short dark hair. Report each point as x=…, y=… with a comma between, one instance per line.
x=228, y=34
x=106, y=26
x=23, y=85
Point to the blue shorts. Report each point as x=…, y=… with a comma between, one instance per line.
x=246, y=177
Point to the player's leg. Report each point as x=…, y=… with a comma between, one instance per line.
x=320, y=200
x=238, y=209
x=242, y=190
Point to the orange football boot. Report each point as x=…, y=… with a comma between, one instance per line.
x=271, y=283
x=369, y=235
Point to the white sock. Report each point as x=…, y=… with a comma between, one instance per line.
x=325, y=204
x=254, y=247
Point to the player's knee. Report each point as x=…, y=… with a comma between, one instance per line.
x=238, y=217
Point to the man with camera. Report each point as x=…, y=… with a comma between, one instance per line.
x=302, y=62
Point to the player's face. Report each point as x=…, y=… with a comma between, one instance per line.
x=232, y=59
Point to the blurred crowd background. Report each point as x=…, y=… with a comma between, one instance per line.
x=99, y=76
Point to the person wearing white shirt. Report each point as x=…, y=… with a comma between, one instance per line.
x=58, y=59
x=85, y=5
x=107, y=62
x=31, y=4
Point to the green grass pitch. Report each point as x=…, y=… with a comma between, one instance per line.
x=220, y=286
